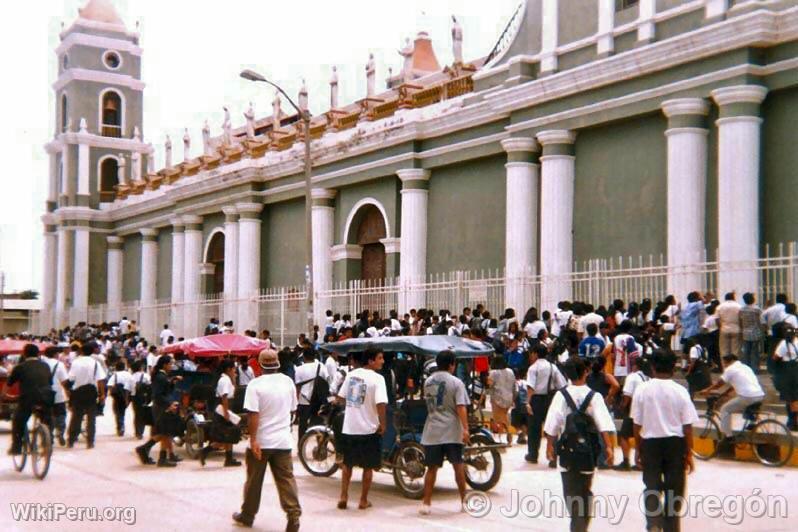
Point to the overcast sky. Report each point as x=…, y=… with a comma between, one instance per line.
x=193, y=52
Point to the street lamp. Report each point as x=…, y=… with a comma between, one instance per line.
x=250, y=75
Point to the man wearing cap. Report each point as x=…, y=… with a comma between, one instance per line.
x=269, y=401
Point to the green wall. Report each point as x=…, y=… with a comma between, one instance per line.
x=283, y=244
x=577, y=19
x=164, y=283
x=711, y=225
x=779, y=190
x=98, y=269
x=620, y=204
x=465, y=229
x=131, y=269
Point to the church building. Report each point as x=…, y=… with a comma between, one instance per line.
x=593, y=129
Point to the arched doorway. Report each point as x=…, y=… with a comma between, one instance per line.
x=370, y=231
x=215, y=256
x=109, y=179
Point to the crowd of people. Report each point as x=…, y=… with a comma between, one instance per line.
x=578, y=361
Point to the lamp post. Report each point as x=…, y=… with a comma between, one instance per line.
x=305, y=116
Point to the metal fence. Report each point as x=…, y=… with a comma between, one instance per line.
x=283, y=310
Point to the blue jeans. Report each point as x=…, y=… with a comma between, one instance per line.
x=751, y=352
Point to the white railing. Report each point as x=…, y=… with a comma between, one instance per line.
x=283, y=310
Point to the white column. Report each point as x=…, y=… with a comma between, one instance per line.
x=248, y=264
x=80, y=297
x=52, y=184
x=192, y=257
x=739, y=140
x=556, y=217
x=645, y=22
x=49, y=272
x=413, y=245
x=323, y=213
x=115, y=272
x=178, y=282
x=149, y=279
x=230, y=262
x=63, y=260
x=83, y=170
x=521, y=221
x=549, y=36
x=716, y=9
x=606, y=23
x=687, y=184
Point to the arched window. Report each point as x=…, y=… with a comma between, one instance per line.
x=216, y=257
x=109, y=179
x=112, y=114
x=64, y=113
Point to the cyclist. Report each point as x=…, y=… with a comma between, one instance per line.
x=35, y=390
x=743, y=381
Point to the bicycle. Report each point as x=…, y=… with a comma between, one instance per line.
x=36, y=443
x=770, y=440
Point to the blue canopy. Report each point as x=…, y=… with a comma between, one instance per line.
x=420, y=345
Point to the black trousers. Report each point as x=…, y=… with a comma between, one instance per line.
x=119, y=414
x=80, y=410
x=59, y=418
x=21, y=416
x=540, y=407
x=139, y=418
x=578, y=498
x=303, y=413
x=665, y=478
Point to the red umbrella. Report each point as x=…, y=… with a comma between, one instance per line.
x=218, y=345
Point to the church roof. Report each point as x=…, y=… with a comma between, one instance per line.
x=424, y=59
x=101, y=11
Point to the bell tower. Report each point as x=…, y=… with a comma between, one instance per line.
x=97, y=146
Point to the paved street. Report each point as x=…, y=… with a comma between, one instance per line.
x=193, y=498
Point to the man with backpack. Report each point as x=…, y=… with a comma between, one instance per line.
x=576, y=419
x=663, y=417
x=543, y=379
x=141, y=397
x=87, y=376
x=120, y=386
x=312, y=388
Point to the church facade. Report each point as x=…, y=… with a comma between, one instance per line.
x=594, y=129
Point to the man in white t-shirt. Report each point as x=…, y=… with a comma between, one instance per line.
x=744, y=383
x=729, y=321
x=590, y=317
x=633, y=381
x=270, y=399
x=366, y=398
x=663, y=417
x=166, y=334
x=304, y=377
x=576, y=483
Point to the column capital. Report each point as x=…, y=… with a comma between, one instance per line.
x=149, y=235
x=249, y=211
x=414, y=174
x=114, y=242
x=346, y=251
x=323, y=193
x=323, y=198
x=207, y=268
x=685, y=106
x=231, y=214
x=49, y=219
x=192, y=222
x=753, y=94
x=556, y=136
x=520, y=144
x=178, y=226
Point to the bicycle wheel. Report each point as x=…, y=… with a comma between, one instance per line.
x=41, y=450
x=317, y=452
x=707, y=432
x=21, y=459
x=771, y=442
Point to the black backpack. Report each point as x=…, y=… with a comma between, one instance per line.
x=320, y=393
x=118, y=391
x=143, y=392
x=578, y=447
